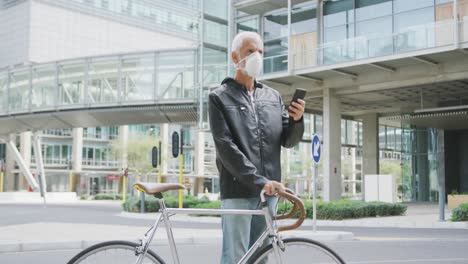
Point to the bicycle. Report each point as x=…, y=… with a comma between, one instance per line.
x=278, y=250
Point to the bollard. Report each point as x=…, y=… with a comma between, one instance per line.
x=1, y=181
x=142, y=202
x=124, y=188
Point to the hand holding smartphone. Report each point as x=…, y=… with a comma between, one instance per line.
x=298, y=94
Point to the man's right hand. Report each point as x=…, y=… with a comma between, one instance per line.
x=272, y=187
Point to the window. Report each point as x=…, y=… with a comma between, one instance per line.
x=338, y=26
x=405, y=5
x=369, y=9
x=318, y=119
x=382, y=137
x=374, y=25
x=215, y=8
x=303, y=19
x=413, y=18
x=413, y=30
x=338, y=13
x=275, y=41
x=275, y=25
x=215, y=33
x=248, y=25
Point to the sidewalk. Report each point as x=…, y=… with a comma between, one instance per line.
x=54, y=236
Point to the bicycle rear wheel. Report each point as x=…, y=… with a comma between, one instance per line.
x=114, y=252
x=297, y=250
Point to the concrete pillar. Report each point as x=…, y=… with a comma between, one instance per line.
x=25, y=151
x=422, y=164
x=353, y=138
x=199, y=160
x=123, y=138
x=370, y=146
x=441, y=172
x=331, y=146
x=10, y=179
x=77, y=149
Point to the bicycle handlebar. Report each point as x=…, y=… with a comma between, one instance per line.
x=298, y=205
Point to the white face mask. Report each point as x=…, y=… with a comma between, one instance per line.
x=253, y=64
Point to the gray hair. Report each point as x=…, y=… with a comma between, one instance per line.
x=239, y=39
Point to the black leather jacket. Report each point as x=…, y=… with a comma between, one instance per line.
x=248, y=139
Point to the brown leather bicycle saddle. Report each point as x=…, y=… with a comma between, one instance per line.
x=154, y=188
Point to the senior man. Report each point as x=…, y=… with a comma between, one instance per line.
x=249, y=123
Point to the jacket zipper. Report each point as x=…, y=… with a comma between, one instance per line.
x=258, y=128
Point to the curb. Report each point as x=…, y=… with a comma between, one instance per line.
x=16, y=247
x=320, y=223
x=383, y=224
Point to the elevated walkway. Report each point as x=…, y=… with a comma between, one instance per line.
x=138, y=88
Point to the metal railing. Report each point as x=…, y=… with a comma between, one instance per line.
x=100, y=163
x=122, y=79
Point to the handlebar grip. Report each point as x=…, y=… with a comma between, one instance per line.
x=298, y=205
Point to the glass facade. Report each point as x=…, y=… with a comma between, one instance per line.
x=101, y=133
x=58, y=132
x=71, y=82
x=54, y=154
x=413, y=156
x=138, y=83
x=275, y=38
x=297, y=162
x=215, y=42
x=93, y=155
x=178, y=16
x=351, y=30
x=106, y=80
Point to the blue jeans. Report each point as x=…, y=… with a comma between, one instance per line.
x=241, y=231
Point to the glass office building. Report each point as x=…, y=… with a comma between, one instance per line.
x=368, y=54
x=385, y=80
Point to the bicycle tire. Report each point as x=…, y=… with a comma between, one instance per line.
x=314, y=252
x=89, y=255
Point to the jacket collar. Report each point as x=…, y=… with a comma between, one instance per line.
x=232, y=82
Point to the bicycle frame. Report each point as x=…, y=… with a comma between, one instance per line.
x=167, y=212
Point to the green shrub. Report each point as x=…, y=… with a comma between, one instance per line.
x=132, y=204
x=102, y=196
x=336, y=210
x=460, y=213
x=345, y=209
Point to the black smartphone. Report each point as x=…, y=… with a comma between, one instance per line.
x=298, y=94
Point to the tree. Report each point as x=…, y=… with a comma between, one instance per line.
x=138, y=152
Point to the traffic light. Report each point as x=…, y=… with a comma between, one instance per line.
x=181, y=142
x=154, y=157
x=175, y=144
x=159, y=155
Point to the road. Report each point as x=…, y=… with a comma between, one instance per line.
x=371, y=245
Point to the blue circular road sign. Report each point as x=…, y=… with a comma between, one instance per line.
x=316, y=148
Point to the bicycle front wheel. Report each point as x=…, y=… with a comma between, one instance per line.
x=114, y=252
x=297, y=250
